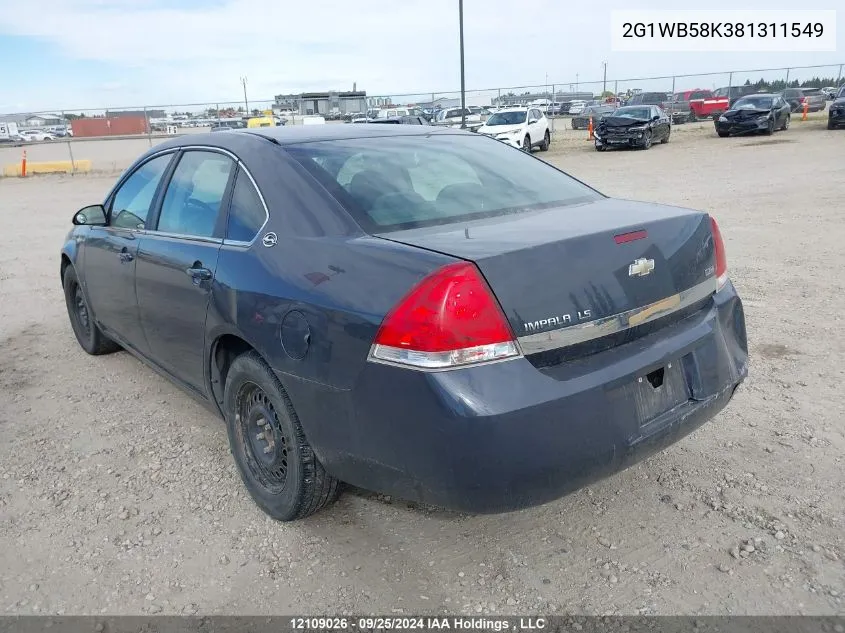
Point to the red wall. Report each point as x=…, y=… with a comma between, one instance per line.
x=112, y=126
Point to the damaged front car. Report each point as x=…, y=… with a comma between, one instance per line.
x=633, y=126
x=755, y=113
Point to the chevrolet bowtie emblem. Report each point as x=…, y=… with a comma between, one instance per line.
x=640, y=267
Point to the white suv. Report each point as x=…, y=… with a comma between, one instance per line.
x=523, y=128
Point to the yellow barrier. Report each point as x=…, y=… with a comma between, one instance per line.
x=48, y=167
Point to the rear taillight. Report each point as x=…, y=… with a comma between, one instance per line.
x=720, y=255
x=449, y=319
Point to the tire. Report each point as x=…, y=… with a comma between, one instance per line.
x=785, y=125
x=600, y=148
x=547, y=139
x=88, y=334
x=722, y=134
x=692, y=117
x=647, y=140
x=771, y=128
x=526, y=144
x=287, y=481
x=663, y=141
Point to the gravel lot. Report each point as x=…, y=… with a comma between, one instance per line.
x=118, y=494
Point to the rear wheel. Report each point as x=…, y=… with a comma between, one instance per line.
x=547, y=139
x=526, y=144
x=691, y=118
x=89, y=335
x=275, y=461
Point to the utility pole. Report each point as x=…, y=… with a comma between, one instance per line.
x=246, y=103
x=604, y=81
x=463, y=85
x=576, y=82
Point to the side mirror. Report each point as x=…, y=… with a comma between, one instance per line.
x=656, y=117
x=94, y=215
x=532, y=120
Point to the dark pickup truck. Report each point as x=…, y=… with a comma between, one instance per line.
x=678, y=112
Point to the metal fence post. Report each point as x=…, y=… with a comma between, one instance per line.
x=616, y=88
x=787, y=78
x=149, y=127
x=72, y=161
x=839, y=76
x=730, y=86
x=673, y=84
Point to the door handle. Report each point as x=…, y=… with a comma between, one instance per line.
x=199, y=273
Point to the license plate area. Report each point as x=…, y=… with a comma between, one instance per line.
x=659, y=391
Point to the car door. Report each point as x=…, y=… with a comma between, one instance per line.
x=536, y=129
x=110, y=251
x=177, y=261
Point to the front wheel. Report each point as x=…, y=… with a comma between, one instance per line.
x=770, y=128
x=691, y=117
x=830, y=124
x=722, y=134
x=547, y=139
x=88, y=334
x=275, y=461
x=526, y=144
x=599, y=147
x=665, y=140
x=647, y=139
x=785, y=125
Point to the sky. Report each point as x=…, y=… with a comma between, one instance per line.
x=75, y=54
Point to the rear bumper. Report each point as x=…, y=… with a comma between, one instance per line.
x=508, y=435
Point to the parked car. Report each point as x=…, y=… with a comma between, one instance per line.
x=388, y=113
x=486, y=335
x=678, y=112
x=402, y=120
x=577, y=106
x=755, y=113
x=451, y=117
x=594, y=112
x=36, y=135
x=732, y=93
x=554, y=108
x=830, y=92
x=836, y=114
x=633, y=126
x=796, y=97
x=523, y=128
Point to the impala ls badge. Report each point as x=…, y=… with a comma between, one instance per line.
x=269, y=239
x=640, y=267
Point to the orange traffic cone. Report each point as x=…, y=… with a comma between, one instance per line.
x=23, y=165
x=806, y=109
x=590, y=129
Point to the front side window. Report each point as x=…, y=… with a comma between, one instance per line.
x=395, y=183
x=246, y=212
x=131, y=203
x=194, y=195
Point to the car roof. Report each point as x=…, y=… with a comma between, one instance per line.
x=289, y=135
x=759, y=94
x=518, y=109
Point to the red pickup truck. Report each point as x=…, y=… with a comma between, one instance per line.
x=703, y=104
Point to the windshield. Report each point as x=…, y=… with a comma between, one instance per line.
x=507, y=118
x=754, y=103
x=633, y=113
x=401, y=182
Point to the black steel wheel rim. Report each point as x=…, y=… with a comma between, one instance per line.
x=526, y=144
x=80, y=310
x=265, y=445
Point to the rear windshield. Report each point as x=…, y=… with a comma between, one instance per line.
x=402, y=182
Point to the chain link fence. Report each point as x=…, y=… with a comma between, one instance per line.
x=68, y=134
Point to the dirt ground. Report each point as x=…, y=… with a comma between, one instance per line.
x=118, y=494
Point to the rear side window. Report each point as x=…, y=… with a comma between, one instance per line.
x=131, y=203
x=394, y=183
x=246, y=213
x=192, y=203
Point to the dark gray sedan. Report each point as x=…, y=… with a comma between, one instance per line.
x=424, y=312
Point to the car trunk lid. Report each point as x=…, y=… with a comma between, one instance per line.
x=581, y=265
